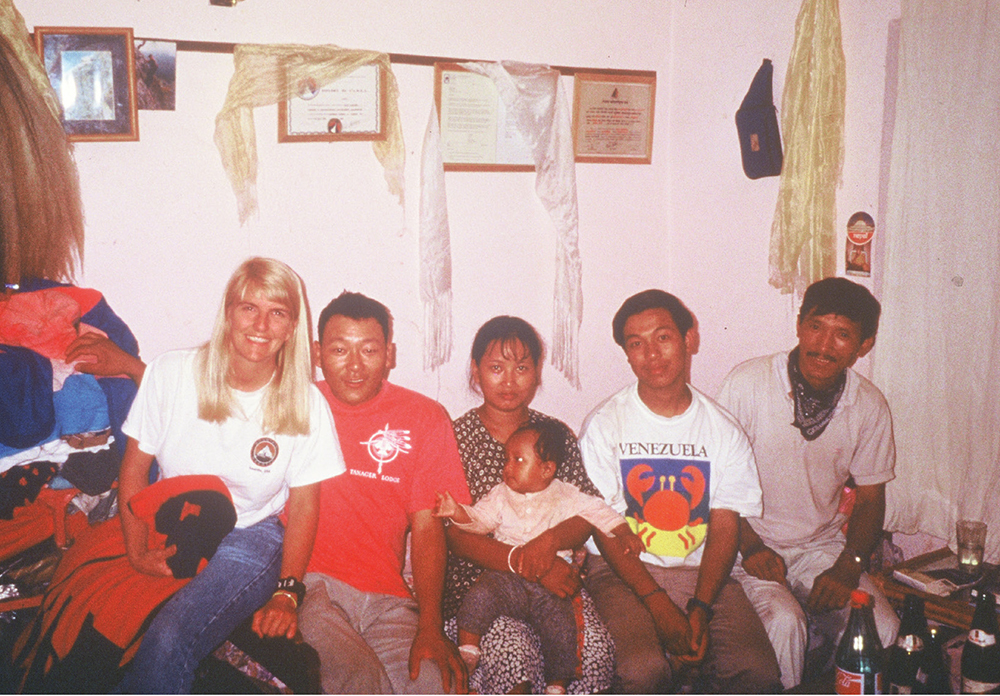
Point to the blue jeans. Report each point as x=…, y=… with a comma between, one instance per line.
x=238, y=580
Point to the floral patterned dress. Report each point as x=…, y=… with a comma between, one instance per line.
x=511, y=649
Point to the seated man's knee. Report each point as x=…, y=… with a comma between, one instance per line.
x=427, y=682
x=787, y=621
x=643, y=670
x=361, y=675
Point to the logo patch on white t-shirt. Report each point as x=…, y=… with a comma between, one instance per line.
x=263, y=452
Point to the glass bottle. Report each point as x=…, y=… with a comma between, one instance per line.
x=859, y=654
x=932, y=675
x=981, y=653
x=905, y=655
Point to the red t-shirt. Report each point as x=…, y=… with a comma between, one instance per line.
x=400, y=450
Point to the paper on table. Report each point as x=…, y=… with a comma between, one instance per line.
x=940, y=578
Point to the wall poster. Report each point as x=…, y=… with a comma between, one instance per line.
x=613, y=117
x=476, y=134
x=92, y=70
x=860, y=232
x=351, y=108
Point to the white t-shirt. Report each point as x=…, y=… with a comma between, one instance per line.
x=802, y=480
x=257, y=468
x=665, y=474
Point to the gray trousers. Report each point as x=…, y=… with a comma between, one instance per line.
x=498, y=594
x=363, y=639
x=740, y=658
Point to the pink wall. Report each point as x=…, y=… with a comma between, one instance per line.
x=162, y=233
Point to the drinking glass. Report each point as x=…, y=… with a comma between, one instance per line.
x=971, y=536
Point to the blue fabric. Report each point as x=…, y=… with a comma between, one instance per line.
x=238, y=580
x=119, y=391
x=103, y=317
x=81, y=406
x=27, y=413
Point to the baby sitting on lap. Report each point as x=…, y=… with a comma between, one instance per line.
x=528, y=502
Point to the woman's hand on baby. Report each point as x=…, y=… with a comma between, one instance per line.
x=445, y=505
x=562, y=579
x=537, y=557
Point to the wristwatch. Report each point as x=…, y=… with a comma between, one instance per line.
x=704, y=606
x=293, y=586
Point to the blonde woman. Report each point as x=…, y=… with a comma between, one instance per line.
x=241, y=407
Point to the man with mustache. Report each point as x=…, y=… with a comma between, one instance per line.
x=815, y=425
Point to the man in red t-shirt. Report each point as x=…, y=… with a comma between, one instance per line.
x=373, y=634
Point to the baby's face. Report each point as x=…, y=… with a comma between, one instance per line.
x=525, y=471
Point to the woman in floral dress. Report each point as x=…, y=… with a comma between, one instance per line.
x=506, y=370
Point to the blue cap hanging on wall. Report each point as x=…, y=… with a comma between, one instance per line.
x=757, y=126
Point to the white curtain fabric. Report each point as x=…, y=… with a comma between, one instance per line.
x=938, y=352
x=533, y=95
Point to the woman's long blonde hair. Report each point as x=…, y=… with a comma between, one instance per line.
x=286, y=402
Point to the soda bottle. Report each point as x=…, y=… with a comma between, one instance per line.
x=932, y=676
x=981, y=654
x=859, y=654
x=905, y=655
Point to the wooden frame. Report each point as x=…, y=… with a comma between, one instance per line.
x=613, y=117
x=351, y=108
x=97, y=63
x=485, y=143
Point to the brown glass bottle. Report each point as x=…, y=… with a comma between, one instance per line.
x=905, y=655
x=981, y=653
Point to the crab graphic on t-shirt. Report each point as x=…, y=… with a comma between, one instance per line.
x=667, y=503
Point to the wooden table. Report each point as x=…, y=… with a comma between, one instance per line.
x=954, y=610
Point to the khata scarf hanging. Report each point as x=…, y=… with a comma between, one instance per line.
x=435, y=250
x=269, y=74
x=533, y=95
x=812, y=125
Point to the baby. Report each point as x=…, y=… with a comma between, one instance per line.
x=528, y=502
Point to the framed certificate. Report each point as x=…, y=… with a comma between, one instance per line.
x=613, y=117
x=476, y=134
x=92, y=71
x=351, y=108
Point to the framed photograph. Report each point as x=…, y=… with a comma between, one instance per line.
x=476, y=134
x=351, y=108
x=92, y=70
x=156, y=74
x=613, y=117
